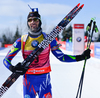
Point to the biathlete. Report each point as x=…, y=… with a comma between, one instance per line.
x=36, y=80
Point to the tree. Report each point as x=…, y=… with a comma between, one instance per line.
x=98, y=38
x=67, y=33
x=17, y=34
x=7, y=37
x=4, y=39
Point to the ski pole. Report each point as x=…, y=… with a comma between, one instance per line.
x=88, y=46
x=88, y=29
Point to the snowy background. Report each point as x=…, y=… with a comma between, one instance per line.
x=64, y=77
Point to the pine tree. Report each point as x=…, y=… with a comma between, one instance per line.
x=17, y=34
x=67, y=33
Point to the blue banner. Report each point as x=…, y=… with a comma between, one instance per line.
x=69, y=46
x=97, y=50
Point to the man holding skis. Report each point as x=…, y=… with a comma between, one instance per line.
x=36, y=77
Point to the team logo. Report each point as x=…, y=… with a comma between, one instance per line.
x=14, y=44
x=34, y=43
x=27, y=96
x=5, y=63
x=48, y=95
x=78, y=39
x=12, y=48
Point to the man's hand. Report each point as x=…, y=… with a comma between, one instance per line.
x=18, y=69
x=85, y=54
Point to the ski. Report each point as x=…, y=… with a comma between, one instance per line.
x=34, y=54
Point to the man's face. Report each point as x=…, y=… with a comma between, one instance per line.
x=33, y=23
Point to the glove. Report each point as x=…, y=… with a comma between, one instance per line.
x=85, y=54
x=18, y=69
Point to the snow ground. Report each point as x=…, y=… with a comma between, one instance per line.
x=64, y=78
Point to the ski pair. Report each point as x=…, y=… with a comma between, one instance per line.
x=50, y=37
x=91, y=27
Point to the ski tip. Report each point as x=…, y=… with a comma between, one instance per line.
x=82, y=5
x=78, y=4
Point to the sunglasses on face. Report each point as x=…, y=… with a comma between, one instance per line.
x=33, y=19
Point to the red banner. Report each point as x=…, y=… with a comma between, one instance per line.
x=78, y=26
x=91, y=47
x=63, y=44
x=7, y=45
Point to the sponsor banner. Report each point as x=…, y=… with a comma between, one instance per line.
x=78, y=26
x=69, y=46
x=85, y=38
x=78, y=39
x=91, y=47
x=63, y=44
x=7, y=45
x=97, y=50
